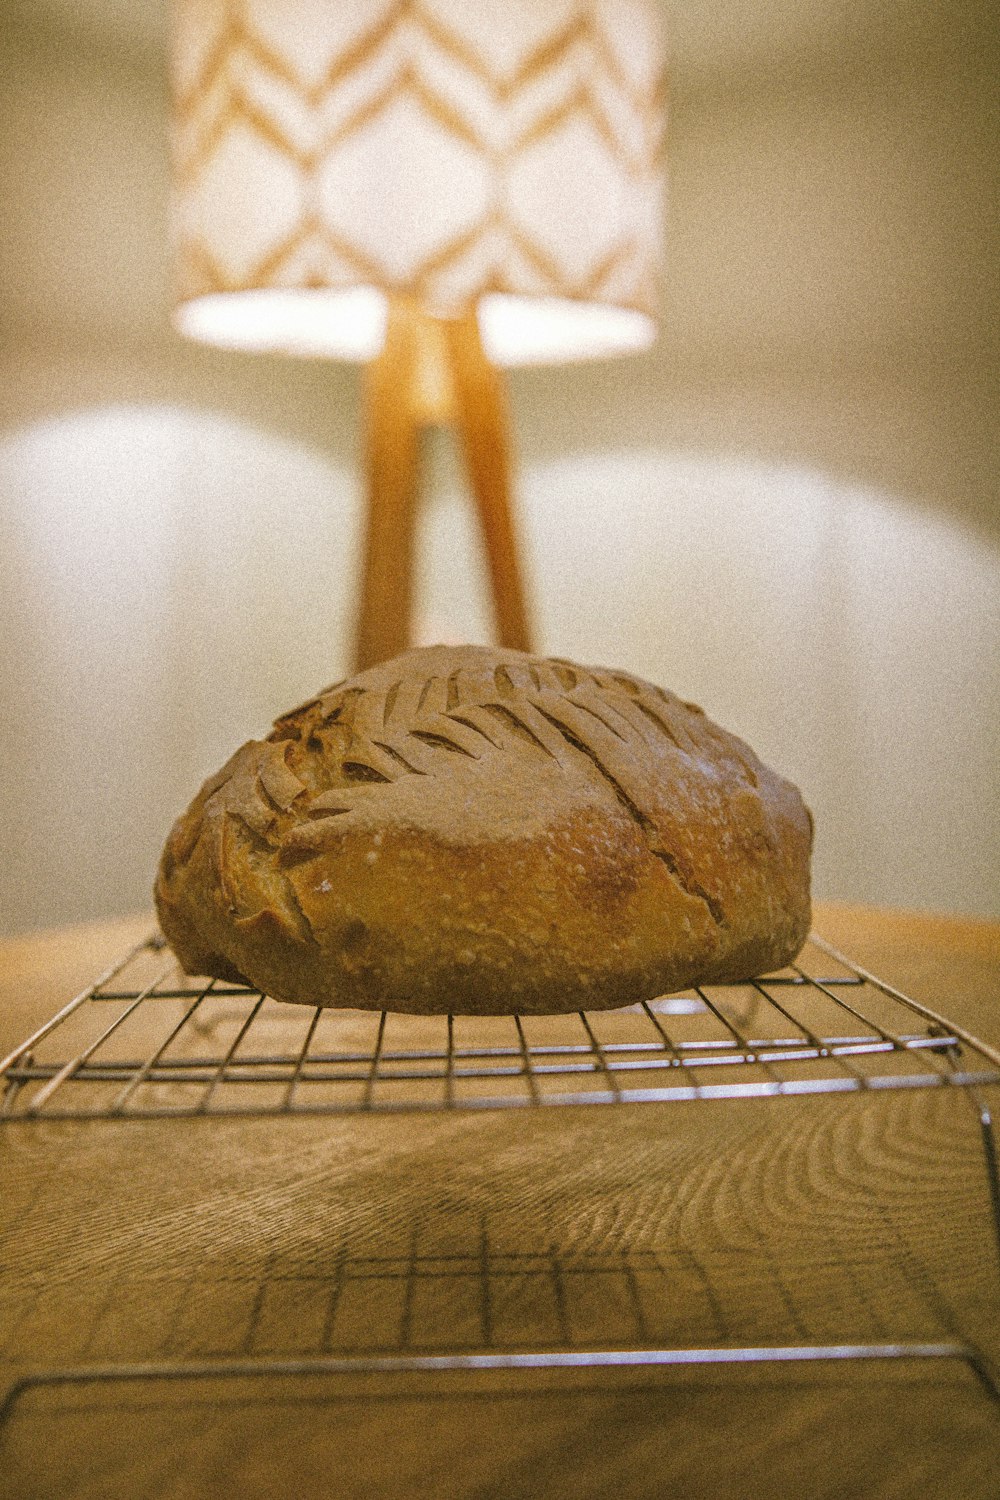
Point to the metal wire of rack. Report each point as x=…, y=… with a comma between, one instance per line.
x=80, y=1431
x=145, y=1041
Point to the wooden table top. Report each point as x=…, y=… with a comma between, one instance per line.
x=280, y=1244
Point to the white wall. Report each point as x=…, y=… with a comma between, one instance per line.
x=787, y=511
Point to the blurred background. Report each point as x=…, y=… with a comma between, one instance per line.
x=788, y=510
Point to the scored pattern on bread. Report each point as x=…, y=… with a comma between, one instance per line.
x=463, y=825
x=546, y=705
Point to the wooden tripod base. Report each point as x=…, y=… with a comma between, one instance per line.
x=432, y=371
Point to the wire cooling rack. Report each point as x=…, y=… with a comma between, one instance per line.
x=145, y=1041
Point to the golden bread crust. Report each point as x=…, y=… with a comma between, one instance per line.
x=480, y=831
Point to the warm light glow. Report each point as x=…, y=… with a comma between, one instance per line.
x=337, y=325
x=351, y=325
x=550, y=330
x=184, y=576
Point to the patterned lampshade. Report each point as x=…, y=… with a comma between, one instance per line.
x=505, y=154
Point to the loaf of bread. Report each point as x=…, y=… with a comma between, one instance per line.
x=486, y=832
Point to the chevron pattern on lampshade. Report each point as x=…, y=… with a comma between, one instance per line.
x=503, y=153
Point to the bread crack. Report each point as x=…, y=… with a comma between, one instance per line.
x=690, y=886
x=296, y=908
x=599, y=717
x=664, y=728
x=643, y=820
x=390, y=702
x=476, y=728
x=440, y=742
x=568, y=678
x=504, y=683
x=505, y=715
x=400, y=760
x=357, y=770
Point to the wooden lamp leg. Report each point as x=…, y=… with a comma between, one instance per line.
x=430, y=371
x=480, y=414
x=392, y=442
